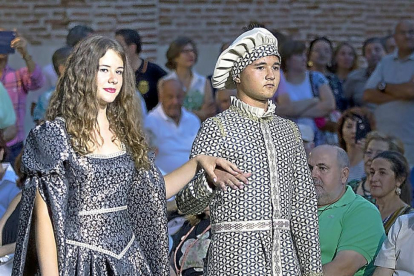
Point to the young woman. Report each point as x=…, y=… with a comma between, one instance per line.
x=347, y=131
x=94, y=203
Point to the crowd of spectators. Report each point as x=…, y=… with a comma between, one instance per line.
x=360, y=119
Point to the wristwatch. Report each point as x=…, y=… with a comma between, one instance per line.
x=381, y=86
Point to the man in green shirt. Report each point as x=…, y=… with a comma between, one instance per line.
x=350, y=227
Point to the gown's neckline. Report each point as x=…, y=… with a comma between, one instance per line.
x=110, y=155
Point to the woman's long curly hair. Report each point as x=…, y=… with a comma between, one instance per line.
x=75, y=100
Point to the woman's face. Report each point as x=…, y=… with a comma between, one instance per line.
x=187, y=57
x=297, y=63
x=348, y=131
x=345, y=57
x=382, y=178
x=374, y=148
x=321, y=53
x=109, y=77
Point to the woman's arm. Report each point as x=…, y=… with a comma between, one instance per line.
x=208, y=109
x=45, y=238
x=287, y=108
x=176, y=180
x=325, y=105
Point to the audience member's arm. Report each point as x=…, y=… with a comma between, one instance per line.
x=9, y=133
x=209, y=108
x=377, y=97
x=287, y=108
x=20, y=44
x=45, y=238
x=371, y=93
x=346, y=263
x=325, y=105
x=383, y=271
x=402, y=91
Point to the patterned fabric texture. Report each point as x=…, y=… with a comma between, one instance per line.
x=279, y=202
x=249, y=58
x=108, y=217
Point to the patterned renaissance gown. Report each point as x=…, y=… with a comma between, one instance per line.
x=271, y=226
x=108, y=217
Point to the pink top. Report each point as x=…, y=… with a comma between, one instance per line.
x=18, y=83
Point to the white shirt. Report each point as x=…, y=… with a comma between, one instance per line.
x=8, y=188
x=173, y=141
x=397, y=250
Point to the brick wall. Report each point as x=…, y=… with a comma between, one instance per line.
x=208, y=22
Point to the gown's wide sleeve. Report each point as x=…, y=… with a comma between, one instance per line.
x=44, y=158
x=148, y=211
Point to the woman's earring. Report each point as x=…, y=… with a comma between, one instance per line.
x=398, y=191
x=310, y=63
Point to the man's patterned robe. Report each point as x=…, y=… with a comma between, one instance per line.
x=271, y=226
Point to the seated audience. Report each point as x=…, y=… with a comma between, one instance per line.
x=58, y=59
x=390, y=186
x=18, y=83
x=373, y=51
x=172, y=126
x=181, y=57
x=190, y=246
x=8, y=188
x=350, y=124
x=350, y=228
x=147, y=74
x=375, y=143
x=308, y=94
x=396, y=255
x=345, y=60
x=9, y=226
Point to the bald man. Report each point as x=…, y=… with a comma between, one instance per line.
x=350, y=227
x=171, y=126
x=391, y=87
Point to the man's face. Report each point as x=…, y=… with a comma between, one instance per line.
x=130, y=50
x=171, y=98
x=259, y=80
x=373, y=53
x=404, y=36
x=329, y=179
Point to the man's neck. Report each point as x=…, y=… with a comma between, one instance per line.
x=136, y=62
x=335, y=199
x=319, y=68
x=252, y=102
x=402, y=54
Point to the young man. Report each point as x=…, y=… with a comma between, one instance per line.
x=271, y=226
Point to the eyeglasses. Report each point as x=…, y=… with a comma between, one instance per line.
x=373, y=153
x=409, y=32
x=187, y=51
